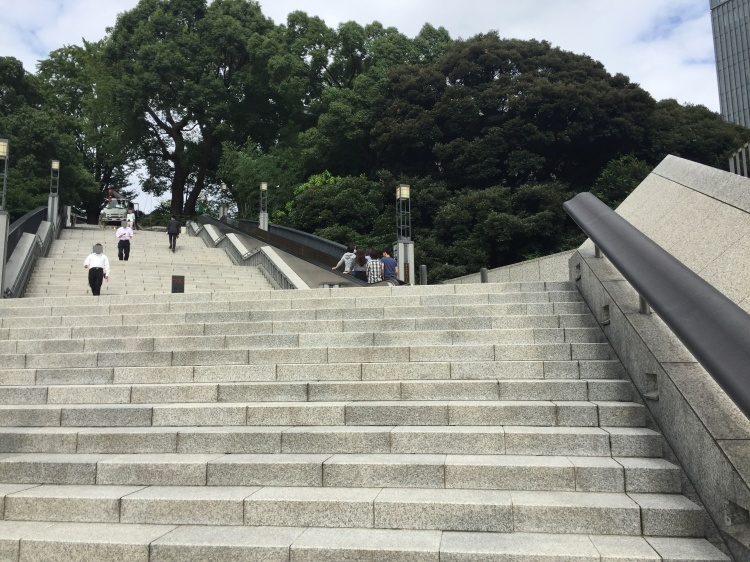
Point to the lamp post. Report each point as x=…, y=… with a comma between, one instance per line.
x=53, y=203
x=4, y=217
x=223, y=206
x=263, y=217
x=404, y=245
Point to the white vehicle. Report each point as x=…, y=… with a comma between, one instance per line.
x=116, y=211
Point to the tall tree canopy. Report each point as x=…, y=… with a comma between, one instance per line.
x=492, y=134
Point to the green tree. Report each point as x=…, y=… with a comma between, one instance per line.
x=37, y=135
x=75, y=85
x=190, y=77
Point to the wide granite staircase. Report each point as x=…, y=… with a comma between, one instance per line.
x=149, y=269
x=451, y=422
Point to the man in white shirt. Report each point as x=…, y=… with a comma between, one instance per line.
x=98, y=265
x=123, y=235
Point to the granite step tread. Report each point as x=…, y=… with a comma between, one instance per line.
x=385, y=508
x=317, y=391
x=526, y=473
x=193, y=543
x=343, y=413
x=623, y=443
x=16, y=374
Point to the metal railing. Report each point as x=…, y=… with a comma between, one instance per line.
x=712, y=327
x=322, y=255
x=29, y=223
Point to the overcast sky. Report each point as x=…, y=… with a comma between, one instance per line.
x=666, y=46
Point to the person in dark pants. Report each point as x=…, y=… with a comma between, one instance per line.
x=98, y=265
x=124, y=234
x=173, y=230
x=390, y=267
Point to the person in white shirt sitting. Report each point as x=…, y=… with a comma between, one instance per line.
x=123, y=235
x=98, y=265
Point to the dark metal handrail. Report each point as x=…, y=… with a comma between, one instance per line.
x=313, y=255
x=712, y=327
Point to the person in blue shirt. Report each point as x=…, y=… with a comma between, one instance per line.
x=390, y=267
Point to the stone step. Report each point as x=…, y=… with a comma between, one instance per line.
x=456, y=440
x=297, y=295
x=122, y=339
x=15, y=373
x=403, y=412
x=500, y=511
x=337, y=309
x=319, y=391
x=198, y=543
x=484, y=353
x=249, y=322
x=380, y=470
x=505, y=328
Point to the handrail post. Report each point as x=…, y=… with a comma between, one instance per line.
x=644, y=307
x=483, y=276
x=597, y=251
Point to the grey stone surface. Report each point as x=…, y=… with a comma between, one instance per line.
x=577, y=414
x=449, y=390
x=337, y=439
x=186, y=505
x=102, y=394
x=238, y=439
x=450, y=510
x=67, y=503
x=634, y=442
x=669, y=515
x=170, y=393
x=509, y=472
x=686, y=550
x=239, y=544
x=152, y=375
x=94, y=542
x=397, y=413
x=235, y=373
x=575, y=512
x=93, y=415
x=127, y=440
x=170, y=415
x=624, y=549
x=154, y=469
x=313, y=372
x=533, y=352
x=406, y=371
x=263, y=392
x=359, y=391
x=498, y=370
x=621, y=414
x=448, y=440
x=10, y=534
x=296, y=413
x=214, y=357
x=135, y=359
x=502, y=413
x=23, y=395
x=579, y=441
x=38, y=440
x=42, y=468
x=373, y=545
x=267, y=470
x=598, y=474
x=394, y=470
x=651, y=475
x=516, y=547
x=543, y=390
x=311, y=506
